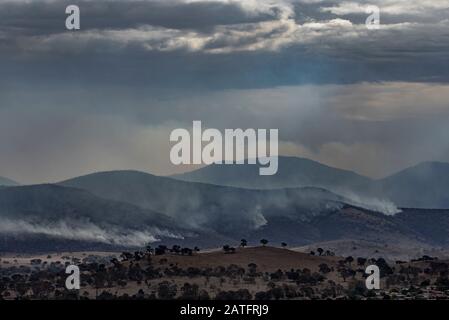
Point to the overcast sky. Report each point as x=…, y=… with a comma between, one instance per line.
x=107, y=96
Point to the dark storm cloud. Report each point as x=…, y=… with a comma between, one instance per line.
x=48, y=16
x=223, y=44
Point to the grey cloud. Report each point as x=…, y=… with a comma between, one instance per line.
x=228, y=44
x=48, y=17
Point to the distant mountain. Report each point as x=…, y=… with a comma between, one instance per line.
x=292, y=172
x=199, y=205
x=423, y=186
x=7, y=182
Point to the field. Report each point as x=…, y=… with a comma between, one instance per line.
x=247, y=273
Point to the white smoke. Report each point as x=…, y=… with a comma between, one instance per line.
x=86, y=231
x=384, y=206
x=259, y=219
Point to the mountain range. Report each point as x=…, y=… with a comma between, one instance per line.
x=110, y=210
x=292, y=172
x=422, y=186
x=298, y=215
x=201, y=205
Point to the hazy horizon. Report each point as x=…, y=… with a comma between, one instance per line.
x=190, y=168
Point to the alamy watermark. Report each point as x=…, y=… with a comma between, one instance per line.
x=373, y=20
x=237, y=146
x=73, y=21
x=72, y=282
x=373, y=279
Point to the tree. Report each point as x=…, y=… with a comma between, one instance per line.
x=241, y=294
x=320, y=251
x=425, y=283
x=186, y=251
x=176, y=249
x=190, y=291
x=126, y=256
x=252, y=268
x=160, y=250
x=228, y=249
x=243, y=243
x=264, y=242
x=346, y=273
x=283, y=244
x=138, y=255
x=166, y=290
x=262, y=295
x=203, y=295
x=277, y=293
x=324, y=268
x=349, y=260
x=329, y=253
x=384, y=268
x=357, y=289
x=115, y=262
x=442, y=283
x=361, y=261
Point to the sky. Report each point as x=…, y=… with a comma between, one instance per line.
x=107, y=96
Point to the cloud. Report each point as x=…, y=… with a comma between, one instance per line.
x=261, y=26
x=391, y=7
x=272, y=35
x=218, y=44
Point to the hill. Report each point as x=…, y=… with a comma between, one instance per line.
x=292, y=172
x=229, y=211
x=422, y=186
x=268, y=259
x=45, y=217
